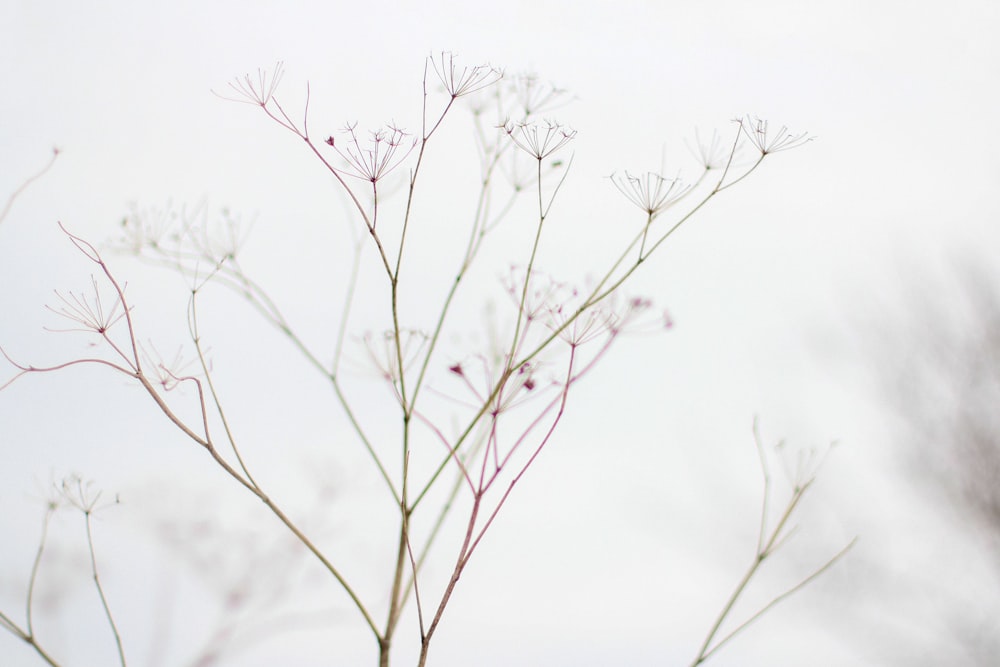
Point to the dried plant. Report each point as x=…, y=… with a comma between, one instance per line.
x=73, y=492
x=501, y=404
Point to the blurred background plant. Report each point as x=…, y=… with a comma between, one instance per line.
x=927, y=354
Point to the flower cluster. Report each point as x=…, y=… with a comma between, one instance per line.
x=90, y=313
x=561, y=307
x=383, y=353
x=522, y=382
x=534, y=97
x=466, y=81
x=539, y=140
x=712, y=154
x=167, y=374
x=651, y=192
x=259, y=92
x=380, y=157
x=756, y=131
x=543, y=294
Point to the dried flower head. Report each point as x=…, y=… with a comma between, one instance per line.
x=465, y=81
x=533, y=96
x=258, y=92
x=756, y=131
x=145, y=228
x=543, y=295
x=91, y=312
x=168, y=374
x=802, y=465
x=81, y=494
x=479, y=374
x=383, y=353
x=539, y=141
x=184, y=237
x=585, y=327
x=380, y=157
x=712, y=154
x=606, y=319
x=651, y=192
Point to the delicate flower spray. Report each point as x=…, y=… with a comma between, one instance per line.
x=506, y=400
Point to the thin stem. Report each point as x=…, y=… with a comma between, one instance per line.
x=767, y=484
x=425, y=137
x=395, y=599
x=778, y=598
x=510, y=487
x=228, y=272
x=471, y=543
x=455, y=575
x=335, y=370
x=27, y=638
x=601, y=291
x=216, y=400
x=765, y=548
x=323, y=559
x=477, y=233
x=100, y=589
x=28, y=635
x=253, y=488
x=527, y=276
x=28, y=181
x=34, y=569
x=416, y=588
x=462, y=475
x=205, y=441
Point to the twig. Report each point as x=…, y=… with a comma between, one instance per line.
x=24, y=186
x=100, y=588
x=766, y=546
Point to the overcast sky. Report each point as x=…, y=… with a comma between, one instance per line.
x=624, y=540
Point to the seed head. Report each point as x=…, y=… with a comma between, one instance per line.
x=650, y=192
x=539, y=140
x=756, y=131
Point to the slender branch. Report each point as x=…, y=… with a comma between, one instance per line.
x=765, y=548
x=27, y=635
x=446, y=508
x=455, y=575
x=207, y=372
x=27, y=638
x=49, y=511
x=476, y=234
x=253, y=488
x=527, y=275
x=205, y=440
x=28, y=181
x=24, y=370
x=334, y=373
x=538, y=450
x=100, y=588
x=778, y=598
x=599, y=293
x=228, y=273
x=766, y=474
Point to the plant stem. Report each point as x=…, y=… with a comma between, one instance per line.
x=100, y=589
